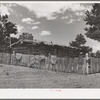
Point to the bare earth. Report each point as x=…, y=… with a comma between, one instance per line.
x=22, y=77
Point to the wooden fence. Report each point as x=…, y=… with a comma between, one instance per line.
x=81, y=65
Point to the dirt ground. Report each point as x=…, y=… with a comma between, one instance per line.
x=23, y=77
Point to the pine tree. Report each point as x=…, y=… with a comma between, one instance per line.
x=6, y=28
x=92, y=19
x=79, y=41
x=79, y=44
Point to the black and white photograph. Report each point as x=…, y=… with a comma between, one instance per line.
x=49, y=45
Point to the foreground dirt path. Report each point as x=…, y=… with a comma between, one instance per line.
x=23, y=77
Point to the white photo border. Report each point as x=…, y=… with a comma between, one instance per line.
x=50, y=93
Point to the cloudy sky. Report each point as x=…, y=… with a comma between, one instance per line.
x=56, y=22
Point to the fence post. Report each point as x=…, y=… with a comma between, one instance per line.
x=87, y=63
x=14, y=55
x=29, y=57
x=49, y=59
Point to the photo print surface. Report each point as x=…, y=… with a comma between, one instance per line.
x=49, y=45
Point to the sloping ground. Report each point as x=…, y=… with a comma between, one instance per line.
x=23, y=77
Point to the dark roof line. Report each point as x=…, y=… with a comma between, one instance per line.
x=13, y=44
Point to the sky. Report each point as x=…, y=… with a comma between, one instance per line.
x=53, y=21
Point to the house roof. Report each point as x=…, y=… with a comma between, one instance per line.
x=13, y=44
